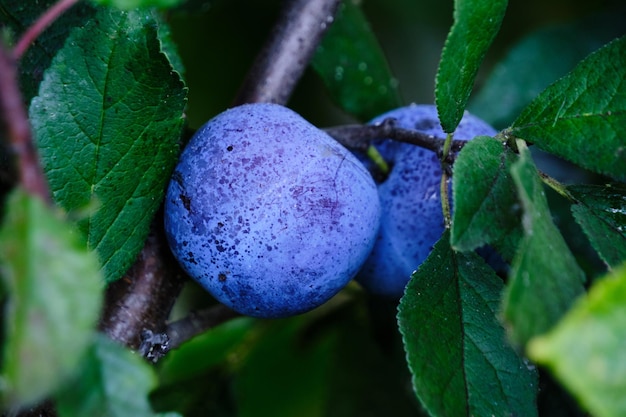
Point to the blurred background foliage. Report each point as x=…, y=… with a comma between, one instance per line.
x=219, y=39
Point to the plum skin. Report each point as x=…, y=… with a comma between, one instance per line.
x=268, y=213
x=412, y=219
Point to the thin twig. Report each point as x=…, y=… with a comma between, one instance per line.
x=287, y=52
x=198, y=322
x=359, y=137
x=31, y=175
x=41, y=24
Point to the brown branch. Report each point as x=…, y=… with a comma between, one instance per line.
x=41, y=24
x=31, y=176
x=287, y=52
x=359, y=137
x=143, y=298
x=198, y=322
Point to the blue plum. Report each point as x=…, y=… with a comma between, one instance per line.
x=268, y=213
x=412, y=219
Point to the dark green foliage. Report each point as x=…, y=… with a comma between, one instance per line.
x=108, y=106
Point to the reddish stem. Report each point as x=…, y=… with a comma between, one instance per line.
x=31, y=175
x=41, y=24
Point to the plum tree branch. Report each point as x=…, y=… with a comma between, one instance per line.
x=197, y=322
x=143, y=298
x=359, y=137
x=287, y=52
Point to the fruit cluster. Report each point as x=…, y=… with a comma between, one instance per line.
x=274, y=217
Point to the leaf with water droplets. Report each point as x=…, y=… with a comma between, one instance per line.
x=353, y=66
x=601, y=212
x=456, y=347
x=476, y=23
x=582, y=116
x=545, y=278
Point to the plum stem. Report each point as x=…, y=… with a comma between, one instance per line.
x=445, y=198
x=287, y=52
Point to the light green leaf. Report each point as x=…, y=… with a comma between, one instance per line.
x=486, y=208
x=457, y=351
x=545, y=278
x=582, y=117
x=586, y=350
x=601, y=212
x=114, y=382
x=476, y=23
x=107, y=122
x=531, y=64
x=54, y=291
x=353, y=66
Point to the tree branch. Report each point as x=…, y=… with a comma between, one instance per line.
x=359, y=137
x=287, y=52
x=198, y=322
x=143, y=298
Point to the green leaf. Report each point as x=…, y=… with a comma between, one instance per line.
x=476, y=23
x=457, y=351
x=133, y=4
x=107, y=122
x=582, y=117
x=601, y=212
x=54, y=291
x=545, y=278
x=486, y=209
x=114, y=382
x=531, y=65
x=18, y=15
x=168, y=44
x=585, y=351
x=353, y=66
